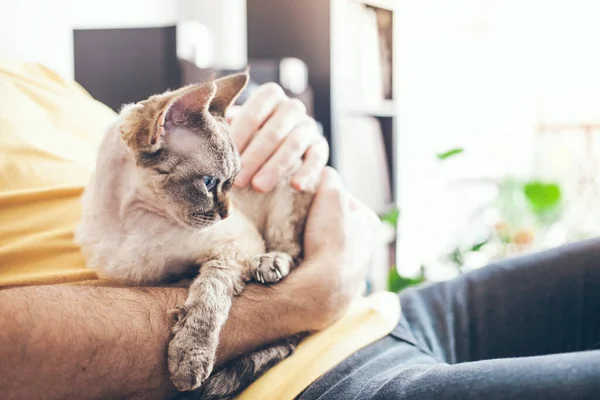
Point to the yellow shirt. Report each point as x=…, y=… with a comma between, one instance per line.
x=49, y=131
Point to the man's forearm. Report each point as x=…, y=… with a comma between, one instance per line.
x=109, y=342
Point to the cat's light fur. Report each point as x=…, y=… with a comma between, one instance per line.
x=124, y=235
x=137, y=227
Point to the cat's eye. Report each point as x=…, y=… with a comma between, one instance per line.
x=209, y=182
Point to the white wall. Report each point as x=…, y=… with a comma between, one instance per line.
x=108, y=14
x=478, y=75
x=227, y=21
x=40, y=31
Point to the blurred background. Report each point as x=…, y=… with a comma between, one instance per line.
x=468, y=125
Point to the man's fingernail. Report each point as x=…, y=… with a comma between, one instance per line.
x=301, y=182
x=330, y=178
x=264, y=182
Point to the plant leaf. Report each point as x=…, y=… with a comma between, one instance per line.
x=479, y=245
x=396, y=282
x=450, y=153
x=542, y=197
x=391, y=217
x=456, y=257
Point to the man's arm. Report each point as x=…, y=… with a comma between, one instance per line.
x=90, y=342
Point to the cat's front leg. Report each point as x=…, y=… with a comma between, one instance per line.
x=198, y=323
x=283, y=235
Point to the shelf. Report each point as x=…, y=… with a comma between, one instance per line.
x=331, y=45
x=385, y=4
x=391, y=206
x=386, y=108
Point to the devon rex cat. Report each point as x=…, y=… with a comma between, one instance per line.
x=161, y=202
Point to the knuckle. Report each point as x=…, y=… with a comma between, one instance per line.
x=296, y=144
x=318, y=153
x=250, y=162
x=254, y=119
x=322, y=148
x=310, y=128
x=274, y=134
x=314, y=128
x=296, y=105
x=272, y=89
x=284, y=164
x=321, y=141
x=287, y=165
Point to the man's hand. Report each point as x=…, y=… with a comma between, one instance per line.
x=339, y=241
x=273, y=134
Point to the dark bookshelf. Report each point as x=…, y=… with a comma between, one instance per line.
x=309, y=30
x=314, y=31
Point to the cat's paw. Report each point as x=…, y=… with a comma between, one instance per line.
x=271, y=267
x=191, y=356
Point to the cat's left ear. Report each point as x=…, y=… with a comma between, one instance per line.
x=228, y=90
x=191, y=98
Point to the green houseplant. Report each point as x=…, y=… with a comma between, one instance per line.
x=538, y=201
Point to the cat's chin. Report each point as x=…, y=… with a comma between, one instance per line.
x=202, y=228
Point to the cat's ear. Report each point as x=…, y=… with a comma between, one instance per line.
x=228, y=90
x=194, y=98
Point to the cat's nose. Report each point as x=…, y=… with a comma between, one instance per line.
x=224, y=214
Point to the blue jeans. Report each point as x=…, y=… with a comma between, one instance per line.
x=522, y=328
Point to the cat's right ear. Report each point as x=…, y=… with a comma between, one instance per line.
x=193, y=99
x=229, y=89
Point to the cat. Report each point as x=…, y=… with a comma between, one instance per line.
x=161, y=201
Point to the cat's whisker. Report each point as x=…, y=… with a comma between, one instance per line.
x=201, y=220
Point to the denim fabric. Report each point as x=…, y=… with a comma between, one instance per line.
x=522, y=328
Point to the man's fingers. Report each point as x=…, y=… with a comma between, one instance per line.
x=286, y=156
x=264, y=143
x=365, y=212
x=330, y=180
x=332, y=192
x=231, y=113
x=332, y=189
x=355, y=205
x=255, y=111
x=315, y=159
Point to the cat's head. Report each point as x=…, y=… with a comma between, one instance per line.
x=186, y=160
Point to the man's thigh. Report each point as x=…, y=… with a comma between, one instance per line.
x=539, y=304
x=569, y=376
x=366, y=368
x=395, y=369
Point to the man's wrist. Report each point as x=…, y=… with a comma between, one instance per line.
x=313, y=293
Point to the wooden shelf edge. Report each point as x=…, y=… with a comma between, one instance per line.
x=385, y=4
